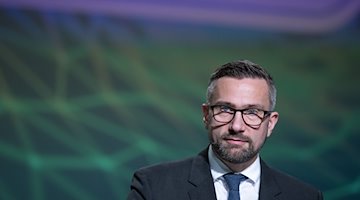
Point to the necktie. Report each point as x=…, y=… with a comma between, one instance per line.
x=233, y=182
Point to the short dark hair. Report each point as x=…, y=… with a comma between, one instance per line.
x=242, y=69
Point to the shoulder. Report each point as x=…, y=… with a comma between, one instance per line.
x=287, y=185
x=179, y=166
x=169, y=180
x=286, y=180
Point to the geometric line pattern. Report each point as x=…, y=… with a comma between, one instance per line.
x=85, y=99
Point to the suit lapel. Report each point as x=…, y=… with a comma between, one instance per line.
x=203, y=187
x=201, y=179
x=269, y=189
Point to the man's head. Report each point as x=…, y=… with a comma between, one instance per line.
x=239, y=70
x=239, y=114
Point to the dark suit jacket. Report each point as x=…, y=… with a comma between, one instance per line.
x=191, y=179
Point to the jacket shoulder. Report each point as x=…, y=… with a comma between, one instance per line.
x=169, y=180
x=291, y=181
x=167, y=167
x=288, y=186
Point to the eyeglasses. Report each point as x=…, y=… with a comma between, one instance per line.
x=252, y=117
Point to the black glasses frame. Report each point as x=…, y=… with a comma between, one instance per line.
x=266, y=114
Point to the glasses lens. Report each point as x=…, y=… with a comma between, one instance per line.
x=252, y=119
x=223, y=114
x=253, y=116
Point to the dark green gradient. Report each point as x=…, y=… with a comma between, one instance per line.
x=81, y=109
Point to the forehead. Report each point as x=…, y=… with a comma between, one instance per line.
x=241, y=92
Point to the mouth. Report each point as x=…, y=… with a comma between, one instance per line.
x=235, y=141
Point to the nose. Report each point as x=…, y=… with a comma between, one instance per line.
x=237, y=124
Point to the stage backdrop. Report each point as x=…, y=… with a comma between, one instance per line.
x=92, y=90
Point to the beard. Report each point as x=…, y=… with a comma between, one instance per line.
x=234, y=154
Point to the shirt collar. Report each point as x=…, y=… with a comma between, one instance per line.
x=218, y=168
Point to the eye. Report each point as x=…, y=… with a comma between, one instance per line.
x=252, y=111
x=226, y=109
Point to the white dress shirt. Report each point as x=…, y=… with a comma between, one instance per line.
x=249, y=189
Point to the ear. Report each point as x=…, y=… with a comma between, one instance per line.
x=273, y=119
x=205, y=110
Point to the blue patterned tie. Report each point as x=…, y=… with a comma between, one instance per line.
x=233, y=181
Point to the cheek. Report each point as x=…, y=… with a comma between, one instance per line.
x=215, y=133
x=259, y=137
x=216, y=126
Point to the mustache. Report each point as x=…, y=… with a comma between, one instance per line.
x=237, y=136
x=220, y=125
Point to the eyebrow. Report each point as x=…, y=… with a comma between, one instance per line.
x=247, y=106
x=257, y=106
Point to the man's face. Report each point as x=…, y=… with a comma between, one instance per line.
x=235, y=142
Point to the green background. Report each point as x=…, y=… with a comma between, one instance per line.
x=86, y=99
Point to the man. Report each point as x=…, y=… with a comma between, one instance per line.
x=239, y=116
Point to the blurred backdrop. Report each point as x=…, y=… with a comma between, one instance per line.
x=92, y=90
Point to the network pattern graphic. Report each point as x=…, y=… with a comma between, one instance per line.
x=87, y=99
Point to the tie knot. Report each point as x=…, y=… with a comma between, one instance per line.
x=233, y=180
